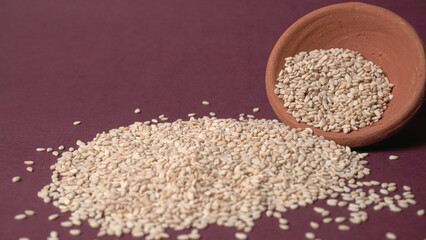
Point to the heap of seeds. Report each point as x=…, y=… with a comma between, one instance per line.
x=334, y=90
x=142, y=179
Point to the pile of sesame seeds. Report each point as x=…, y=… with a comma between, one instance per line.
x=143, y=179
x=335, y=90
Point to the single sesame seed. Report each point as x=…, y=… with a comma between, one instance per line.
x=16, y=179
x=76, y=123
x=53, y=217
x=49, y=149
x=420, y=212
x=183, y=237
x=391, y=236
x=205, y=102
x=29, y=212
x=406, y=188
x=40, y=149
x=54, y=233
x=30, y=169
x=23, y=238
x=309, y=235
x=62, y=147
x=256, y=109
x=29, y=162
x=55, y=153
x=66, y=224
x=75, y=232
x=154, y=120
x=284, y=227
x=240, y=236
x=71, y=149
x=339, y=219
x=191, y=114
x=137, y=111
x=327, y=220
x=343, y=227
x=314, y=225
x=212, y=114
x=393, y=157
x=20, y=217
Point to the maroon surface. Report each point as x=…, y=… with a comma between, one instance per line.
x=96, y=61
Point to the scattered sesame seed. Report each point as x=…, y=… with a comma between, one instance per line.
x=310, y=235
x=53, y=217
x=391, y=236
x=49, y=150
x=20, y=217
x=30, y=169
x=240, y=236
x=205, y=102
x=256, y=109
x=212, y=114
x=66, y=224
x=393, y=157
x=29, y=162
x=314, y=225
x=75, y=232
x=76, y=123
x=62, y=147
x=71, y=149
x=40, y=149
x=343, y=227
x=137, y=111
x=284, y=227
x=191, y=114
x=154, y=120
x=327, y=220
x=55, y=153
x=23, y=238
x=29, y=212
x=420, y=212
x=16, y=179
x=339, y=219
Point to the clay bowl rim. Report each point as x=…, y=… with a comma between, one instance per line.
x=370, y=134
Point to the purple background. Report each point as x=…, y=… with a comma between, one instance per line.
x=96, y=61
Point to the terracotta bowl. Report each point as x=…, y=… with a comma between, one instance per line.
x=380, y=36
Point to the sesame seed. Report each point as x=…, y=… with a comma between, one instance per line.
x=62, y=147
x=71, y=149
x=23, y=238
x=393, y=157
x=314, y=225
x=339, y=219
x=137, y=111
x=327, y=220
x=205, y=102
x=49, y=150
x=191, y=114
x=420, y=212
x=53, y=217
x=154, y=120
x=29, y=162
x=212, y=114
x=406, y=188
x=75, y=232
x=256, y=109
x=343, y=227
x=16, y=179
x=40, y=149
x=309, y=235
x=66, y=224
x=284, y=227
x=29, y=212
x=391, y=236
x=240, y=236
x=76, y=123
x=55, y=153
x=20, y=217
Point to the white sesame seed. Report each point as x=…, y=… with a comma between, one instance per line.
x=29, y=162
x=339, y=219
x=16, y=179
x=29, y=212
x=137, y=111
x=76, y=123
x=343, y=227
x=205, y=102
x=256, y=109
x=55, y=153
x=53, y=217
x=23, y=238
x=309, y=235
x=40, y=149
x=212, y=114
x=30, y=169
x=314, y=225
x=54, y=234
x=20, y=217
x=284, y=227
x=391, y=236
x=62, y=147
x=75, y=232
x=420, y=212
x=49, y=149
x=406, y=188
x=327, y=220
x=240, y=236
x=183, y=237
x=191, y=114
x=66, y=224
x=393, y=157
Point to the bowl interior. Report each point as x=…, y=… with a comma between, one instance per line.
x=380, y=36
